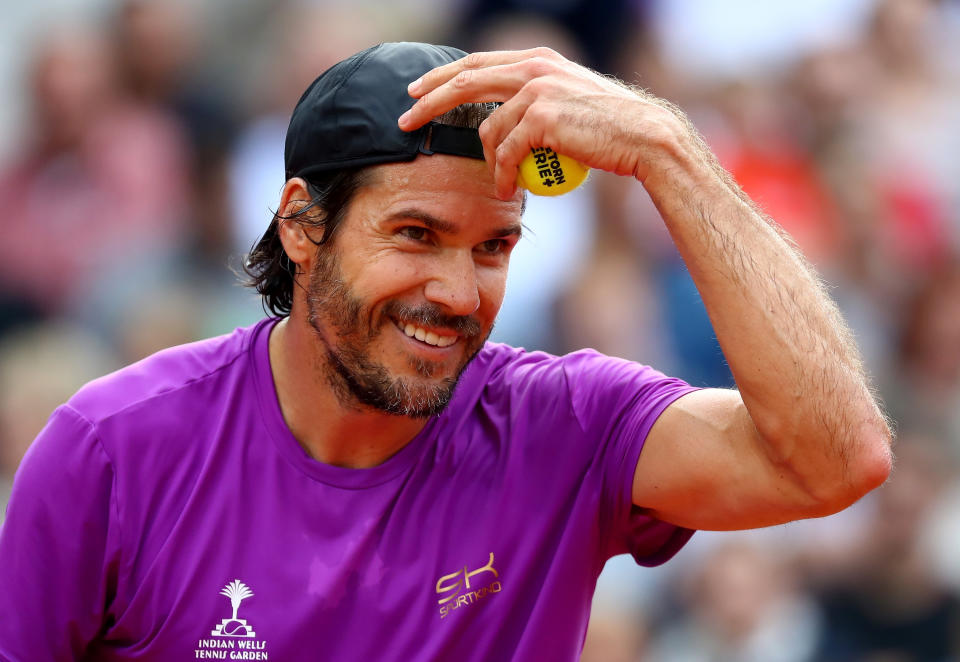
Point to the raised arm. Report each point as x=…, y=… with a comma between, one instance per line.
x=802, y=436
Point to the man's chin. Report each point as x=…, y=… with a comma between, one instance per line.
x=417, y=398
x=432, y=371
x=426, y=390
x=414, y=386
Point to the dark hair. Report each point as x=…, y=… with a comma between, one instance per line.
x=267, y=267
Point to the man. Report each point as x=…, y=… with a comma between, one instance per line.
x=315, y=488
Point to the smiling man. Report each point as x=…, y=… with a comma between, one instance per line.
x=362, y=476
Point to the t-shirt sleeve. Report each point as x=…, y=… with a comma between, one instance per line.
x=58, y=545
x=616, y=403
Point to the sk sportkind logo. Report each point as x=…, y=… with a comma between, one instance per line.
x=457, y=588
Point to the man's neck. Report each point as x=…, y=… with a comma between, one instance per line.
x=329, y=431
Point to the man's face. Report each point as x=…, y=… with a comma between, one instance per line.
x=408, y=290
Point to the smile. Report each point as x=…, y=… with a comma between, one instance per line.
x=426, y=336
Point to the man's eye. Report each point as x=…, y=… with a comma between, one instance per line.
x=414, y=232
x=493, y=246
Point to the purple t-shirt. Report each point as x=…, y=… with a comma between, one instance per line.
x=166, y=513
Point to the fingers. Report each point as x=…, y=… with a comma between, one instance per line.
x=476, y=78
x=512, y=131
x=514, y=147
x=437, y=77
x=498, y=126
x=468, y=86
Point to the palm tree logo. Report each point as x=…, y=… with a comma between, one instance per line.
x=237, y=591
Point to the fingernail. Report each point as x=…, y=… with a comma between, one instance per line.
x=404, y=118
x=414, y=86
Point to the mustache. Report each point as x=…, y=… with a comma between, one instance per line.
x=431, y=315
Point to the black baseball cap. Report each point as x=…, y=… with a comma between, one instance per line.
x=348, y=115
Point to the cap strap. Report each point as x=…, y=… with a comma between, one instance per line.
x=449, y=139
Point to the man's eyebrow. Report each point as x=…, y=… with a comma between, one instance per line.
x=509, y=231
x=444, y=226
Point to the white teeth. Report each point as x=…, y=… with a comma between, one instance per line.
x=446, y=341
x=428, y=337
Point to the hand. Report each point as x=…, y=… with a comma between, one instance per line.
x=553, y=102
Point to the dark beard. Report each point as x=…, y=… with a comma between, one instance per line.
x=355, y=378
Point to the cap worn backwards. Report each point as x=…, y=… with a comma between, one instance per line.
x=348, y=115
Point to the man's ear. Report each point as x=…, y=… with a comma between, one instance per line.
x=297, y=244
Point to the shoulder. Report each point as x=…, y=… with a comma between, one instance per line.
x=502, y=365
x=160, y=377
x=584, y=381
x=501, y=370
x=497, y=362
x=67, y=448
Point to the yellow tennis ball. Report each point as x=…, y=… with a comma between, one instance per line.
x=544, y=172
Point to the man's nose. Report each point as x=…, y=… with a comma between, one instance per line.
x=454, y=284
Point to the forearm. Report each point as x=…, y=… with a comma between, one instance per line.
x=793, y=358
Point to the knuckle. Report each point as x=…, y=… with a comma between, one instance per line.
x=473, y=60
x=538, y=112
x=463, y=79
x=485, y=130
x=540, y=66
x=545, y=52
x=504, y=150
x=536, y=87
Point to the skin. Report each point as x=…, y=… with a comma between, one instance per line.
x=426, y=234
x=802, y=436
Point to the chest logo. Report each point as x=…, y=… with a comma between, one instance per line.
x=465, y=587
x=237, y=591
x=233, y=638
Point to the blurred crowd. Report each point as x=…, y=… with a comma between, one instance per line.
x=151, y=155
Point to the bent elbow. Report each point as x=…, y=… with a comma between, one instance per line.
x=864, y=470
x=874, y=465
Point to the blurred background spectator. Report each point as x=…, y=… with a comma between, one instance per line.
x=141, y=154
x=99, y=182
